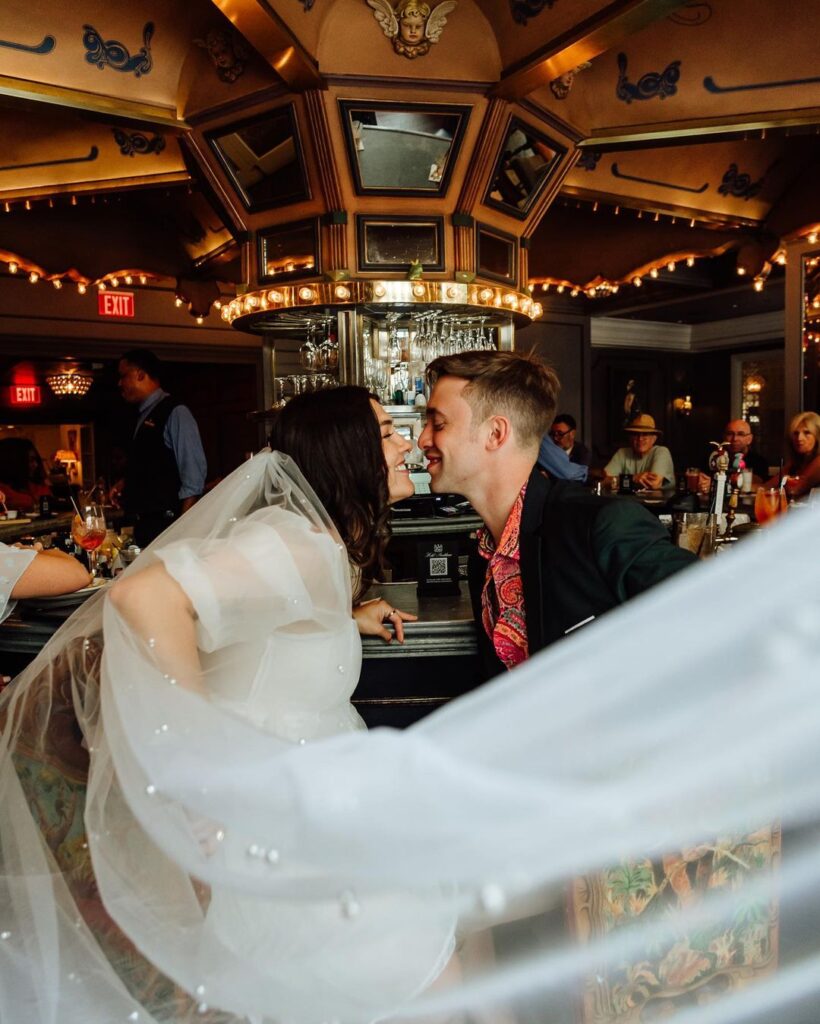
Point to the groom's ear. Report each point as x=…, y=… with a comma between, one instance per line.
x=498, y=433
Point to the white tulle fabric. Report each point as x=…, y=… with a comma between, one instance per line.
x=275, y=862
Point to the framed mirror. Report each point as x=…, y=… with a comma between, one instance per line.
x=263, y=159
x=402, y=149
x=525, y=165
x=394, y=243
x=496, y=254
x=289, y=251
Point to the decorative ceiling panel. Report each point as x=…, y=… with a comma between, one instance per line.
x=722, y=66
x=130, y=51
x=58, y=151
x=734, y=179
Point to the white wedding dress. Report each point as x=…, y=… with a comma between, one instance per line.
x=253, y=876
x=280, y=649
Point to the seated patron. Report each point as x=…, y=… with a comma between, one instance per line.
x=555, y=460
x=563, y=431
x=22, y=474
x=649, y=463
x=739, y=441
x=802, y=469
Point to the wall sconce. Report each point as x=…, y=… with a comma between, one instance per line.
x=754, y=384
x=683, y=405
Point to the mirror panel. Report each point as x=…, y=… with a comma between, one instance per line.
x=289, y=251
x=395, y=243
x=406, y=149
x=496, y=254
x=263, y=159
x=524, y=167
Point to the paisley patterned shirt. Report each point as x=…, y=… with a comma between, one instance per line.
x=502, y=599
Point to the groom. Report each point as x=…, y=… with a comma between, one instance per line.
x=552, y=556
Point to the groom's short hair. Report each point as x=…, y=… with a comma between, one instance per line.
x=515, y=384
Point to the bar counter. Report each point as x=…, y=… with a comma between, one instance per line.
x=11, y=530
x=399, y=683
x=438, y=660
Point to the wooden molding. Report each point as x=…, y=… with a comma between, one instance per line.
x=319, y=131
x=685, y=133
x=149, y=115
x=737, y=332
x=464, y=249
x=237, y=216
x=484, y=155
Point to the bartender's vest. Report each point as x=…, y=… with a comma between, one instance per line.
x=152, y=480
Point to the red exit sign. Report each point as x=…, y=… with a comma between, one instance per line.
x=25, y=394
x=115, y=303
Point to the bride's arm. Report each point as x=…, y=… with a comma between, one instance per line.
x=157, y=609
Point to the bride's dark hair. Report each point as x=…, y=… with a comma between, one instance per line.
x=334, y=438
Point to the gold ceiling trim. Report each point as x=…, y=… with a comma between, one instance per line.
x=246, y=310
x=76, y=99
x=139, y=181
x=691, y=131
x=686, y=213
x=603, y=31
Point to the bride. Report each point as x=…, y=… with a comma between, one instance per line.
x=233, y=640
x=246, y=851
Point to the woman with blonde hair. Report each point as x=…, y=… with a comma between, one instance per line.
x=802, y=469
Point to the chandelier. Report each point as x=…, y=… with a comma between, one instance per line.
x=70, y=383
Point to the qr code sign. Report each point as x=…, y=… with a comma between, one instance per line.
x=438, y=566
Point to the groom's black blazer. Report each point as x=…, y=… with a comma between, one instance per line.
x=581, y=555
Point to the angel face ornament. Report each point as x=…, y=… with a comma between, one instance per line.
x=411, y=26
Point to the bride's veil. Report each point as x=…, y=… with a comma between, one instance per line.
x=622, y=829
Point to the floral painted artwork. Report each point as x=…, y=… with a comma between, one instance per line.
x=679, y=971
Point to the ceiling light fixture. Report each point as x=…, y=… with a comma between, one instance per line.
x=70, y=383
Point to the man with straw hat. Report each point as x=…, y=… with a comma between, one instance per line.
x=648, y=463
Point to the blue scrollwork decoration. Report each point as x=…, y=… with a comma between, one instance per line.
x=46, y=45
x=618, y=173
x=589, y=159
x=89, y=157
x=112, y=54
x=649, y=85
x=692, y=14
x=135, y=143
x=710, y=85
x=522, y=10
x=739, y=185
x=307, y=4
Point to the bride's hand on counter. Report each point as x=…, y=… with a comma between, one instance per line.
x=372, y=618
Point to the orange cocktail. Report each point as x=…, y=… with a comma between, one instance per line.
x=770, y=502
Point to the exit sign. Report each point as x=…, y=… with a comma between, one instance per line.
x=25, y=394
x=115, y=303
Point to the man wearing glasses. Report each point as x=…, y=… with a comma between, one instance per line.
x=562, y=432
x=739, y=437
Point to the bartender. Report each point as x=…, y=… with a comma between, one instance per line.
x=166, y=463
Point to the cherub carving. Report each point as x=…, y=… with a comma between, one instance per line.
x=412, y=26
x=227, y=52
